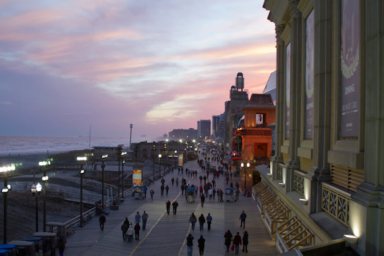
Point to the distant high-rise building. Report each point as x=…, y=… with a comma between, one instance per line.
x=204, y=128
x=218, y=127
x=239, y=81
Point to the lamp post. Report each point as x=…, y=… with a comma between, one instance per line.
x=160, y=163
x=122, y=172
x=118, y=156
x=5, y=190
x=175, y=158
x=82, y=171
x=36, y=189
x=245, y=175
x=153, y=159
x=103, y=157
x=45, y=178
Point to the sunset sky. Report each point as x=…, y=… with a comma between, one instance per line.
x=69, y=65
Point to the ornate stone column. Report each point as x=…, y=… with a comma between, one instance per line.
x=322, y=100
x=371, y=191
x=296, y=58
x=277, y=158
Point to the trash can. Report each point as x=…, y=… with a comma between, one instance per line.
x=24, y=248
x=37, y=242
x=49, y=242
x=56, y=227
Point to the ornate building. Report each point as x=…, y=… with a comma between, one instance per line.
x=234, y=108
x=254, y=135
x=327, y=175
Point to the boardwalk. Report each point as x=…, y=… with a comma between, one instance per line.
x=165, y=234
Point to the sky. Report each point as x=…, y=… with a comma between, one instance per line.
x=66, y=66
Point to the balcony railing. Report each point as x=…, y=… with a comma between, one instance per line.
x=298, y=183
x=336, y=203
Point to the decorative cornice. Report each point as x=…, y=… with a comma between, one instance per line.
x=293, y=8
x=279, y=31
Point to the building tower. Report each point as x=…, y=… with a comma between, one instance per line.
x=239, y=81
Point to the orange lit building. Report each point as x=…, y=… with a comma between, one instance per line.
x=254, y=135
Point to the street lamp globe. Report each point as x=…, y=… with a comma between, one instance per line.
x=39, y=187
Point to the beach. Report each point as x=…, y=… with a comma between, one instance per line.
x=63, y=189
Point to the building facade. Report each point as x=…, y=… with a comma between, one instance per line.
x=328, y=166
x=218, y=128
x=254, y=136
x=234, y=109
x=204, y=129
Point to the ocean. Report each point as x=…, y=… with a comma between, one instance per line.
x=14, y=145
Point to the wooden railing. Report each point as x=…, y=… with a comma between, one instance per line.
x=275, y=213
x=293, y=234
x=349, y=179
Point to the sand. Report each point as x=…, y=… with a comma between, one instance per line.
x=21, y=205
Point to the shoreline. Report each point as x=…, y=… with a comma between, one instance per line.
x=31, y=160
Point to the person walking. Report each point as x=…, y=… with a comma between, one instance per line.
x=137, y=218
x=202, y=199
x=162, y=189
x=237, y=243
x=243, y=216
x=209, y=221
x=102, y=220
x=124, y=228
x=201, y=245
x=227, y=239
x=61, y=241
x=193, y=220
x=201, y=222
x=189, y=244
x=137, y=231
x=245, y=241
x=151, y=192
x=168, y=206
x=175, y=204
x=144, y=219
x=166, y=190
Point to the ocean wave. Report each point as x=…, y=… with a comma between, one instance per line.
x=10, y=145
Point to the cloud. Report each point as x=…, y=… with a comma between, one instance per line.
x=181, y=107
x=158, y=64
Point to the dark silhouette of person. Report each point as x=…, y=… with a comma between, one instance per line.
x=175, y=204
x=168, y=206
x=245, y=241
x=102, y=220
x=227, y=239
x=243, y=216
x=189, y=244
x=201, y=222
x=201, y=245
